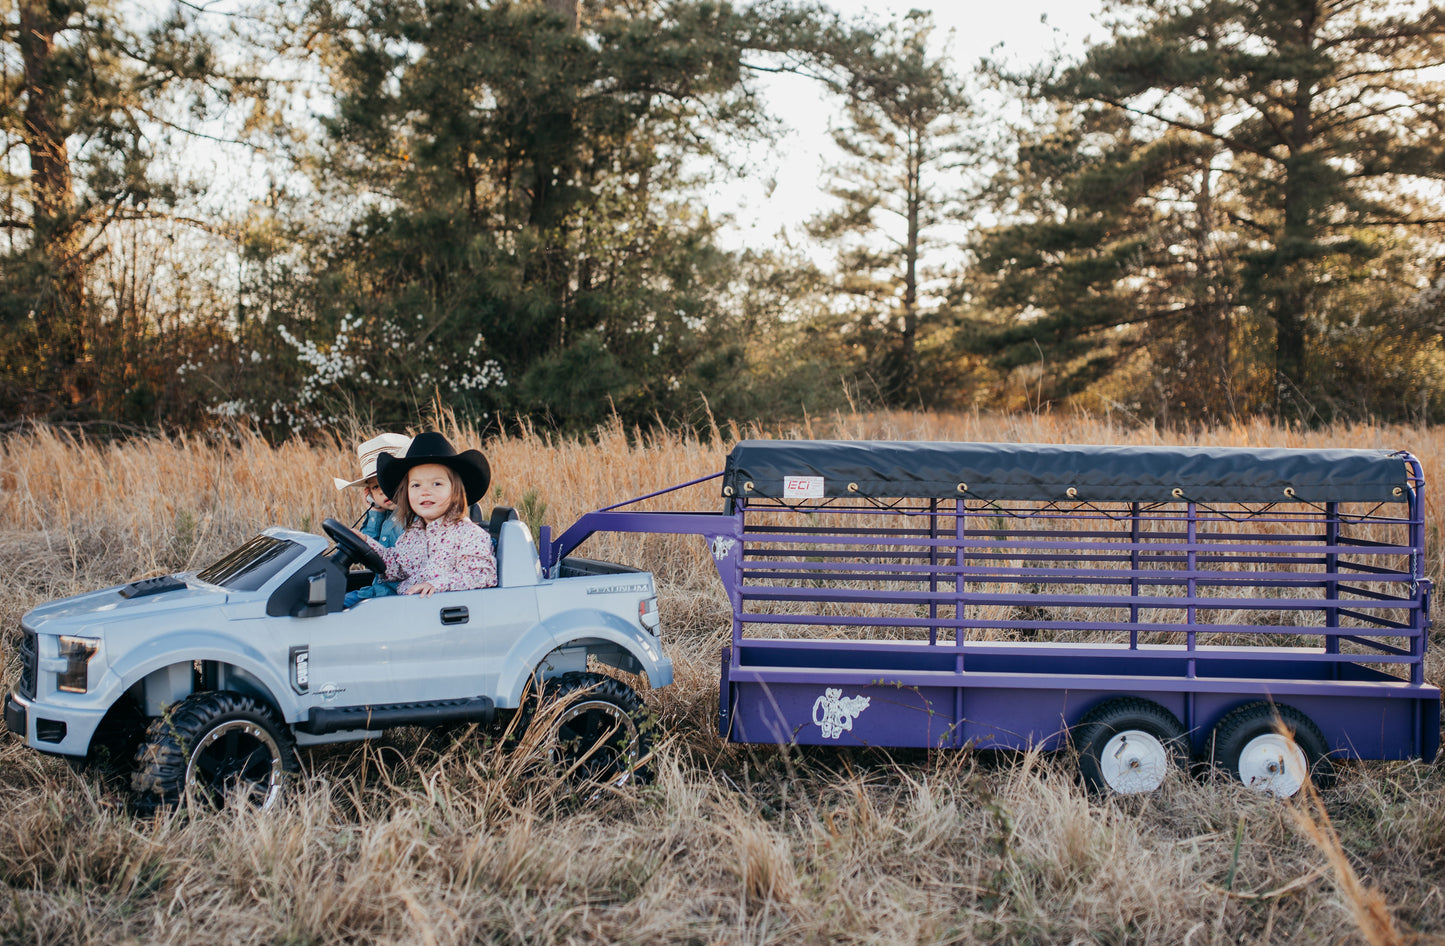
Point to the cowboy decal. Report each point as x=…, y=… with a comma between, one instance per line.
x=834, y=713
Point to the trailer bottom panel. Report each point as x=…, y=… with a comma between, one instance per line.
x=1362, y=712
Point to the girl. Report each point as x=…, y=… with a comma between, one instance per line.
x=440, y=548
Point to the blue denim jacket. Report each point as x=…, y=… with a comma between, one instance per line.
x=381, y=526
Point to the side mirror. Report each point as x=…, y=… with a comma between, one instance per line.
x=315, y=597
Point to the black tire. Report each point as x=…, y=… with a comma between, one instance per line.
x=1249, y=745
x=209, y=748
x=1129, y=745
x=601, y=732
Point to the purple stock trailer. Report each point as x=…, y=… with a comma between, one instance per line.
x=1264, y=610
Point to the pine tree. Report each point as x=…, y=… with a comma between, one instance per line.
x=80, y=92
x=526, y=241
x=901, y=134
x=1232, y=169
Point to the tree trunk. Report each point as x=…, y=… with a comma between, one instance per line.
x=905, y=378
x=1292, y=252
x=60, y=292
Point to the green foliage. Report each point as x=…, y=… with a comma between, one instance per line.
x=493, y=207
x=499, y=215
x=1221, y=179
x=524, y=246
x=92, y=100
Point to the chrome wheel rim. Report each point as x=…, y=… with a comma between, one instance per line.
x=1133, y=761
x=596, y=740
x=238, y=759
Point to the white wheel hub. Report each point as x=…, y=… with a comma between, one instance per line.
x=1134, y=761
x=1274, y=764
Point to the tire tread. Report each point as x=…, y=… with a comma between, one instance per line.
x=1243, y=723
x=158, y=775
x=603, y=687
x=1098, y=725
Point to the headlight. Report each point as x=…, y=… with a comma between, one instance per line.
x=76, y=652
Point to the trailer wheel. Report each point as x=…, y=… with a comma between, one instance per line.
x=210, y=747
x=1129, y=745
x=1272, y=748
x=601, y=732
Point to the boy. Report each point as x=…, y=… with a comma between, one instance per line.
x=380, y=524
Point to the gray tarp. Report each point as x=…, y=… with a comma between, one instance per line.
x=1035, y=471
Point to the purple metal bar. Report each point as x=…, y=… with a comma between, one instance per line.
x=1040, y=648
x=661, y=523
x=1134, y=582
x=758, y=568
x=960, y=560
x=1332, y=568
x=608, y=519
x=933, y=566
x=1315, y=550
x=661, y=492
x=1059, y=681
x=1188, y=602
x=1421, y=585
x=809, y=620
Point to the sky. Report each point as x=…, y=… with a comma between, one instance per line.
x=781, y=189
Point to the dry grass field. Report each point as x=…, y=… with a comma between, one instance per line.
x=415, y=842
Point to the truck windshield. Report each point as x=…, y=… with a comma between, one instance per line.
x=249, y=567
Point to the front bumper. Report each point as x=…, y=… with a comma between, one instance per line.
x=51, y=729
x=16, y=719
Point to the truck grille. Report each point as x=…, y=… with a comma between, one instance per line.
x=29, y=657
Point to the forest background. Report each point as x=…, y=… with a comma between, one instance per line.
x=1219, y=209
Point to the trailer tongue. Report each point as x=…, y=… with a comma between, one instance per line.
x=1263, y=609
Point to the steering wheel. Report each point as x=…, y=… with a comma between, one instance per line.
x=353, y=547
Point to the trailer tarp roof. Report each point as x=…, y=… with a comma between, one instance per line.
x=798, y=469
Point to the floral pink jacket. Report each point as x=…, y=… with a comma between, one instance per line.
x=453, y=556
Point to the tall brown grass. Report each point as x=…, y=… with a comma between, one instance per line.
x=416, y=841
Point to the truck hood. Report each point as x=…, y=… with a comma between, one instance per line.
x=94, y=609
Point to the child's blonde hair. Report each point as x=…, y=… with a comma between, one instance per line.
x=455, y=511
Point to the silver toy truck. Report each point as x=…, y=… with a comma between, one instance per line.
x=205, y=683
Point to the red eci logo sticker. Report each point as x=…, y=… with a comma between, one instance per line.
x=802, y=487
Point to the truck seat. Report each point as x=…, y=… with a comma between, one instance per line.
x=517, y=561
x=500, y=514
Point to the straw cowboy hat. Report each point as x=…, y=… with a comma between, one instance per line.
x=369, y=451
x=432, y=447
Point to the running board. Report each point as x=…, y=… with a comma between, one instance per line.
x=322, y=720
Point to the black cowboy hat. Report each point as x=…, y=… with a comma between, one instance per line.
x=432, y=447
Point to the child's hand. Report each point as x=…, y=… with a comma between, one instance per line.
x=424, y=589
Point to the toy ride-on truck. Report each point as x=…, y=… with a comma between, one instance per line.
x=1265, y=610
x=206, y=682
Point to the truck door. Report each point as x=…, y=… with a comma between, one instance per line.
x=406, y=649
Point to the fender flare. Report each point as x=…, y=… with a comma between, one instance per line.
x=182, y=647
x=581, y=628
